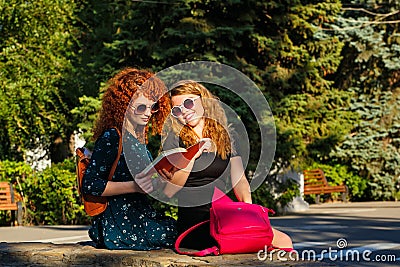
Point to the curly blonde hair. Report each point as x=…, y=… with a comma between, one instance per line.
x=215, y=121
x=125, y=86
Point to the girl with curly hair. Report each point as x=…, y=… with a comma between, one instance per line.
x=132, y=99
x=197, y=114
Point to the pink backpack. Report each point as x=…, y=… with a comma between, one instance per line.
x=237, y=227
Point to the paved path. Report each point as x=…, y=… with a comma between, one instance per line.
x=60, y=234
x=352, y=228
x=347, y=234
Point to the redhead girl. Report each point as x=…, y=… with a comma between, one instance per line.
x=129, y=222
x=197, y=114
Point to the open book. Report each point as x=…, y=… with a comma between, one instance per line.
x=176, y=158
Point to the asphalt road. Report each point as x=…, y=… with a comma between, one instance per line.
x=345, y=234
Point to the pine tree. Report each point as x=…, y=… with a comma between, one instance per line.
x=371, y=69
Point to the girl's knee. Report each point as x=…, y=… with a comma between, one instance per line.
x=281, y=239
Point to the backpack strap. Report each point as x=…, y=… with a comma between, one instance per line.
x=208, y=251
x=114, y=166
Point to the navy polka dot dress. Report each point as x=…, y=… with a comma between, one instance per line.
x=129, y=222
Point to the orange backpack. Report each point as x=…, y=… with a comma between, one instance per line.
x=94, y=205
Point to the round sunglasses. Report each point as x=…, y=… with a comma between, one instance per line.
x=188, y=103
x=141, y=108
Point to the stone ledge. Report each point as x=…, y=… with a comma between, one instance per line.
x=83, y=254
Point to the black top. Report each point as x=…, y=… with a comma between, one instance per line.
x=194, y=200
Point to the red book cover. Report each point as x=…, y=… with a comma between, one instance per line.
x=176, y=158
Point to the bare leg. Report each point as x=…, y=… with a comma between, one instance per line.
x=281, y=240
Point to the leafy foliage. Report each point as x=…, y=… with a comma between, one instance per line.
x=278, y=197
x=371, y=70
x=85, y=114
x=373, y=148
x=49, y=196
x=52, y=197
x=340, y=174
x=314, y=124
x=329, y=69
x=36, y=44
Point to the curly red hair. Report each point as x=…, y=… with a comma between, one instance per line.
x=126, y=85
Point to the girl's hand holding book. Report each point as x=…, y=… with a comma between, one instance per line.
x=204, y=148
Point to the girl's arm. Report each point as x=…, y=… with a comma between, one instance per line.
x=95, y=181
x=179, y=177
x=241, y=186
x=119, y=188
x=178, y=180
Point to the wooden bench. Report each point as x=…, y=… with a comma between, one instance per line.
x=7, y=202
x=315, y=183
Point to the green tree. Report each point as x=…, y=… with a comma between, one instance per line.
x=288, y=48
x=277, y=44
x=35, y=77
x=295, y=61
x=371, y=69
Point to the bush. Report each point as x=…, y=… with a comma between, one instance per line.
x=50, y=196
x=15, y=173
x=277, y=198
x=338, y=174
